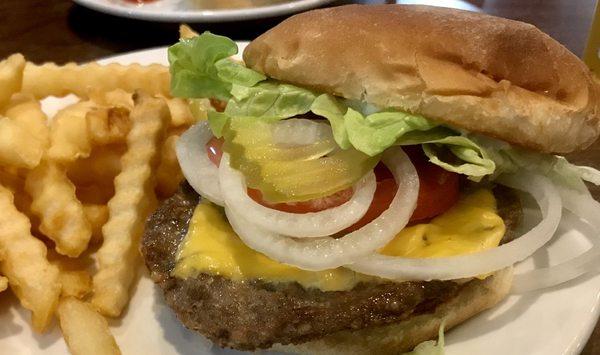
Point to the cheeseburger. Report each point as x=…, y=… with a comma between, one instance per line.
x=358, y=185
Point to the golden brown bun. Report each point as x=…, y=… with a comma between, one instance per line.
x=401, y=337
x=485, y=74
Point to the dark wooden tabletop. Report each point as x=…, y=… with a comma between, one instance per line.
x=60, y=31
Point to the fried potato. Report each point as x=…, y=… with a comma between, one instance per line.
x=75, y=280
x=113, y=98
x=59, y=80
x=186, y=31
x=69, y=138
x=24, y=122
x=100, y=168
x=97, y=215
x=180, y=112
x=11, y=77
x=61, y=214
x=168, y=174
x=32, y=278
x=133, y=200
x=85, y=331
x=13, y=152
x=76, y=283
x=108, y=125
x=3, y=283
x=27, y=112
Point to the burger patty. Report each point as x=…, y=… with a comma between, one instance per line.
x=250, y=315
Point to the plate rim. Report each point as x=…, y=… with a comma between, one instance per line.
x=207, y=16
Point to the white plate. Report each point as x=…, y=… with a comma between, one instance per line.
x=185, y=11
x=558, y=321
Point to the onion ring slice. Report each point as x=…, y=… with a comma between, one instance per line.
x=305, y=225
x=197, y=168
x=465, y=266
x=327, y=253
x=582, y=205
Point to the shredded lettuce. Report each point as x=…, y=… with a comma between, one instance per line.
x=202, y=67
x=269, y=99
x=371, y=134
x=217, y=122
x=235, y=73
x=376, y=132
x=509, y=159
x=332, y=109
x=193, y=66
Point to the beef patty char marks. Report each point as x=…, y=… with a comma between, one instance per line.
x=253, y=314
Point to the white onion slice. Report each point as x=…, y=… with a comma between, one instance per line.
x=197, y=168
x=305, y=225
x=327, y=253
x=464, y=266
x=582, y=205
x=300, y=131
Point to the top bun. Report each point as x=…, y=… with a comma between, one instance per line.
x=484, y=74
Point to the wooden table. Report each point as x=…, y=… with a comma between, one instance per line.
x=58, y=30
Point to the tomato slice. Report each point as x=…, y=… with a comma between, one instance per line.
x=438, y=190
x=214, y=149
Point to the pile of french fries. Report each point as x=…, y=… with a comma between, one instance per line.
x=76, y=188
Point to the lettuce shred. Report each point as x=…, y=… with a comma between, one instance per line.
x=202, y=67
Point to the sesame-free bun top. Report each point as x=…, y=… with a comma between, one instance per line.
x=484, y=74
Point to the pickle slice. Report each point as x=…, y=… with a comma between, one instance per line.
x=291, y=173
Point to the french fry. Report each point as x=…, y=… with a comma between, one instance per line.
x=32, y=278
x=180, y=112
x=69, y=138
x=74, y=278
x=85, y=331
x=108, y=125
x=133, y=200
x=61, y=214
x=27, y=112
x=13, y=152
x=186, y=31
x=59, y=80
x=113, y=98
x=11, y=77
x=168, y=174
x=3, y=283
x=97, y=215
x=100, y=168
x=76, y=283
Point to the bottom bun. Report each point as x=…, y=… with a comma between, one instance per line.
x=404, y=336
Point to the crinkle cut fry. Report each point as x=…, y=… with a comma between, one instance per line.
x=61, y=214
x=59, y=80
x=32, y=278
x=133, y=200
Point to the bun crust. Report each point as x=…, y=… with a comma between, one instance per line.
x=400, y=337
x=484, y=74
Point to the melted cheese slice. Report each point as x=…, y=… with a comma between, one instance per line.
x=211, y=246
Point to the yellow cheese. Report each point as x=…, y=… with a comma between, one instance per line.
x=470, y=226
x=211, y=246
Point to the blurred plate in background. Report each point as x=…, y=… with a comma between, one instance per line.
x=200, y=10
